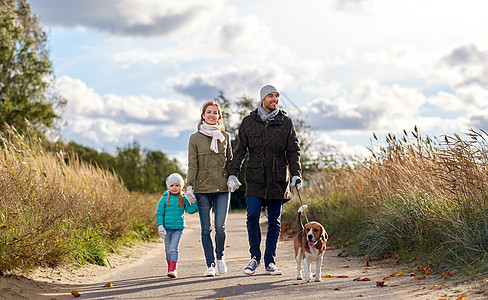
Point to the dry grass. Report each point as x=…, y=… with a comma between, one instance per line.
x=412, y=195
x=55, y=209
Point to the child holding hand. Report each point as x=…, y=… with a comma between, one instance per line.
x=170, y=218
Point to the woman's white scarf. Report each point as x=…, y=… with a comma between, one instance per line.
x=213, y=131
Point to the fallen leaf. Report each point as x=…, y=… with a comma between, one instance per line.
x=366, y=263
x=109, y=284
x=451, y=273
x=360, y=295
x=420, y=277
x=338, y=288
x=342, y=276
x=75, y=293
x=327, y=276
x=461, y=297
x=380, y=284
x=386, y=278
x=437, y=287
x=345, y=266
x=361, y=279
x=239, y=283
x=400, y=273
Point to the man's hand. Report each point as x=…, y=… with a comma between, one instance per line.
x=233, y=183
x=296, y=181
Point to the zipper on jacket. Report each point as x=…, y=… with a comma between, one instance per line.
x=265, y=151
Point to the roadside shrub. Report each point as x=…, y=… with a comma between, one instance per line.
x=412, y=197
x=55, y=210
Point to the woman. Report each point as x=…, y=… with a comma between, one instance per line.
x=209, y=151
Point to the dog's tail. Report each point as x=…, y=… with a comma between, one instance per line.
x=300, y=210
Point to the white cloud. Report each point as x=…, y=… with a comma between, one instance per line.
x=447, y=102
x=113, y=118
x=147, y=18
x=245, y=35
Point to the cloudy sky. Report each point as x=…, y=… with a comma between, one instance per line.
x=139, y=70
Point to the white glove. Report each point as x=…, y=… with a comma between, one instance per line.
x=296, y=181
x=233, y=183
x=162, y=231
x=189, y=194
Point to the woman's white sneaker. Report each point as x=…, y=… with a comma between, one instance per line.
x=221, y=266
x=211, y=270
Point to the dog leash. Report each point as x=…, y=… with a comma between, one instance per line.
x=301, y=203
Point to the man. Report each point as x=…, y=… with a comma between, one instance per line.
x=268, y=135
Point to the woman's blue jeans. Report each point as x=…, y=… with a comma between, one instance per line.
x=274, y=208
x=219, y=204
x=171, y=242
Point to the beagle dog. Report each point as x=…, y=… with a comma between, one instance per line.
x=310, y=244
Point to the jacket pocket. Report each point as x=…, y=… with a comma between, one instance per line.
x=255, y=140
x=254, y=175
x=282, y=174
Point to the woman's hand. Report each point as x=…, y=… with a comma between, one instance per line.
x=189, y=195
x=233, y=183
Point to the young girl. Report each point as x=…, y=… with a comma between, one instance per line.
x=209, y=152
x=170, y=218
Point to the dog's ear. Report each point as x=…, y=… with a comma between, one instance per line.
x=324, y=236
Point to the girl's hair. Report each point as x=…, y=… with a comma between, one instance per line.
x=204, y=108
x=181, y=201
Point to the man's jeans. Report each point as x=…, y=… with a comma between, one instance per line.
x=274, y=208
x=171, y=242
x=219, y=202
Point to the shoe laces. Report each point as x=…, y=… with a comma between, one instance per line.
x=253, y=263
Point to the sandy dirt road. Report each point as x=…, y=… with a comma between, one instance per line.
x=141, y=274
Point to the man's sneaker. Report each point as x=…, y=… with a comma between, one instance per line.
x=221, y=266
x=251, y=266
x=273, y=270
x=211, y=270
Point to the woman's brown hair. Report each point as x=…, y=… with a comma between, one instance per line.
x=204, y=107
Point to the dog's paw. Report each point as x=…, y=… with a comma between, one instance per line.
x=318, y=279
x=299, y=277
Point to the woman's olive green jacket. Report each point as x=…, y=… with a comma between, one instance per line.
x=207, y=170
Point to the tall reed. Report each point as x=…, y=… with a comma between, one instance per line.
x=413, y=195
x=56, y=209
